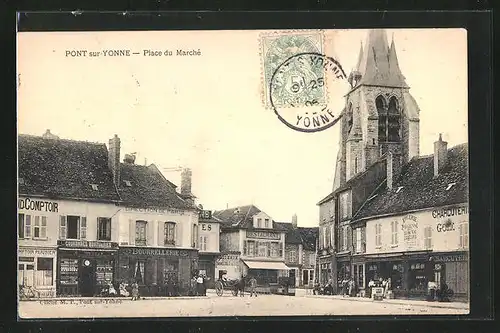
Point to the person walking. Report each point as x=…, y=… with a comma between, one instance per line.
x=253, y=284
x=135, y=291
x=242, y=286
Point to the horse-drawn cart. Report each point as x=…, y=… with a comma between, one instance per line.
x=221, y=285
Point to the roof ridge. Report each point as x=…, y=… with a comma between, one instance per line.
x=65, y=140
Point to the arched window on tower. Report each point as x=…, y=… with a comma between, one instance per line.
x=389, y=120
x=393, y=121
x=349, y=118
x=382, y=118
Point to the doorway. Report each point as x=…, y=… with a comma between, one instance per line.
x=86, y=281
x=305, y=277
x=292, y=277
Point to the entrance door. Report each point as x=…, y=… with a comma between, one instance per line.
x=305, y=277
x=292, y=277
x=86, y=282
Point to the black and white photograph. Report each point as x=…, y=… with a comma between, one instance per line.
x=225, y=173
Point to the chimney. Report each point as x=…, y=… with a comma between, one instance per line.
x=294, y=220
x=440, y=155
x=48, y=135
x=390, y=174
x=186, y=181
x=114, y=158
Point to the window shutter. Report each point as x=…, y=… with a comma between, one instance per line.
x=161, y=231
x=109, y=224
x=150, y=233
x=349, y=239
x=83, y=227
x=43, y=228
x=131, y=232
x=178, y=234
x=245, y=248
x=62, y=227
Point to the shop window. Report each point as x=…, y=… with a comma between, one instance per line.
x=139, y=272
x=428, y=237
x=463, y=235
x=378, y=235
x=417, y=277
x=104, y=271
x=103, y=228
x=394, y=233
x=266, y=225
x=140, y=233
x=169, y=233
x=25, y=271
x=275, y=249
x=203, y=243
x=44, y=271
x=292, y=256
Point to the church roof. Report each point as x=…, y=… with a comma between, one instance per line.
x=378, y=62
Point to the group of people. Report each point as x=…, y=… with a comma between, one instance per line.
x=199, y=285
x=348, y=287
x=380, y=282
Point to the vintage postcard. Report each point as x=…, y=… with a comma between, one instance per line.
x=242, y=173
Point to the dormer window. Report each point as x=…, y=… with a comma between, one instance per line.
x=127, y=183
x=94, y=187
x=399, y=189
x=450, y=186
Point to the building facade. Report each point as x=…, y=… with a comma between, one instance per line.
x=417, y=229
x=251, y=243
x=67, y=225
x=300, y=252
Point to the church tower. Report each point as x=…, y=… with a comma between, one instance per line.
x=380, y=115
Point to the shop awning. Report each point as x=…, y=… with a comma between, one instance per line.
x=266, y=265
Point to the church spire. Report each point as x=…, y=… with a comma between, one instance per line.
x=379, y=63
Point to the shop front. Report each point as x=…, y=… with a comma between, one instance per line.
x=206, y=267
x=452, y=269
x=271, y=276
x=157, y=271
x=85, y=268
x=229, y=264
x=36, y=269
x=343, y=270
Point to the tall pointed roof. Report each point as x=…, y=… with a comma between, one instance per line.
x=378, y=63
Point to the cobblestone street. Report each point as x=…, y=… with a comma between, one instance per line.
x=212, y=305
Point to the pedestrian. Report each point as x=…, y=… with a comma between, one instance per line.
x=253, y=284
x=204, y=284
x=192, y=290
x=199, y=285
x=344, y=287
x=351, y=287
x=135, y=291
x=242, y=286
x=371, y=284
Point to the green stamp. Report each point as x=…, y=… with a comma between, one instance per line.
x=291, y=83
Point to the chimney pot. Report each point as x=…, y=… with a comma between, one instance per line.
x=294, y=220
x=440, y=155
x=186, y=182
x=114, y=158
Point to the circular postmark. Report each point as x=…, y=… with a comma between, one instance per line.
x=297, y=91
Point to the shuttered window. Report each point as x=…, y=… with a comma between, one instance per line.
x=169, y=233
x=62, y=227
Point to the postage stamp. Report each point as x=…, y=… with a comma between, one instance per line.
x=276, y=48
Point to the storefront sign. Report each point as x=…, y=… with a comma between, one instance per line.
x=206, y=226
x=205, y=215
x=410, y=227
x=39, y=205
x=157, y=252
x=263, y=235
x=228, y=260
x=447, y=226
x=155, y=210
x=87, y=244
x=451, y=211
x=450, y=258
x=24, y=252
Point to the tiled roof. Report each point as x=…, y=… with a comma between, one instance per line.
x=237, y=217
x=418, y=189
x=64, y=169
x=148, y=188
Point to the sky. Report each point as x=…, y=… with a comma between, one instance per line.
x=207, y=113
